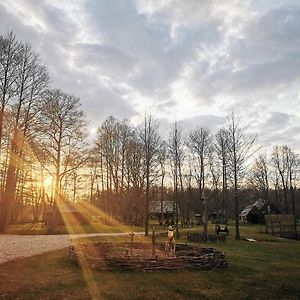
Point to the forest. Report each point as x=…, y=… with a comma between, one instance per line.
x=47, y=157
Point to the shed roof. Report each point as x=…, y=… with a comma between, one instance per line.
x=258, y=204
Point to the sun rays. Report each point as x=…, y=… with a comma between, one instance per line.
x=87, y=209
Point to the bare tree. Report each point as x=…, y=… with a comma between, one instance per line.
x=200, y=144
x=221, y=146
x=30, y=80
x=286, y=162
x=293, y=163
x=113, y=138
x=200, y=141
x=279, y=158
x=240, y=150
x=109, y=145
x=176, y=151
x=216, y=172
x=150, y=141
x=135, y=170
x=62, y=134
x=189, y=182
x=162, y=157
x=260, y=176
x=9, y=62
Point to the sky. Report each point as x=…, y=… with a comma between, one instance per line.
x=194, y=61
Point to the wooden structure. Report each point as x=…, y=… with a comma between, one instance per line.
x=281, y=225
x=187, y=257
x=222, y=229
x=168, y=211
x=255, y=213
x=67, y=213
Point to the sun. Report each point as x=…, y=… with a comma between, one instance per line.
x=47, y=182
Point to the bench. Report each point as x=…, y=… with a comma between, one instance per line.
x=220, y=229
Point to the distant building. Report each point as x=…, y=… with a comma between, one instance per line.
x=155, y=210
x=255, y=213
x=68, y=214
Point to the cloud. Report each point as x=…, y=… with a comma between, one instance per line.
x=105, y=59
x=72, y=65
x=192, y=60
x=263, y=56
x=211, y=122
x=160, y=58
x=279, y=128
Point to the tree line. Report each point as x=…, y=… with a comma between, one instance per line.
x=41, y=131
x=126, y=168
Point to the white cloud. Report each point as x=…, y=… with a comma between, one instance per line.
x=187, y=60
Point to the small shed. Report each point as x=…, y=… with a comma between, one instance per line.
x=155, y=210
x=68, y=213
x=255, y=213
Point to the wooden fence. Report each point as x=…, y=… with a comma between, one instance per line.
x=281, y=225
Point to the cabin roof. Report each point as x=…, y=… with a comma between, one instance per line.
x=258, y=205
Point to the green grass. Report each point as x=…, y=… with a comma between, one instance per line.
x=266, y=269
x=39, y=228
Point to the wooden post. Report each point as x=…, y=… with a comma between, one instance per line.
x=153, y=242
x=131, y=243
x=205, y=217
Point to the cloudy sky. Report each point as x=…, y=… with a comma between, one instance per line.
x=189, y=60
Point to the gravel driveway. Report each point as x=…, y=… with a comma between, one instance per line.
x=17, y=246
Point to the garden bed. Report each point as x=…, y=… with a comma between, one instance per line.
x=141, y=256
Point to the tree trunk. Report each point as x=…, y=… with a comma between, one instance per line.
x=147, y=199
x=162, y=219
x=236, y=200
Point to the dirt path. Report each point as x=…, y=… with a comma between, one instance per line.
x=17, y=246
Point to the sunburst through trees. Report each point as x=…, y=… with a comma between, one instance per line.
x=128, y=173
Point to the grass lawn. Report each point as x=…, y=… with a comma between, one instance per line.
x=39, y=228
x=266, y=269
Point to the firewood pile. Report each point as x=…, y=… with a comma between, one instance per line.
x=138, y=256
